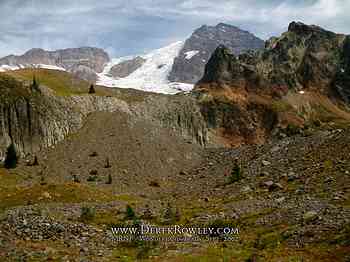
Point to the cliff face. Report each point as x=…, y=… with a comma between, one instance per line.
x=36, y=119
x=181, y=113
x=190, y=63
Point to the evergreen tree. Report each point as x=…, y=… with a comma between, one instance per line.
x=236, y=173
x=35, y=84
x=92, y=89
x=110, y=179
x=11, y=157
x=129, y=213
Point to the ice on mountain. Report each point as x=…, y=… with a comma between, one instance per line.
x=191, y=54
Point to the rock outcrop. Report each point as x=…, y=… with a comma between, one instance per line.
x=305, y=57
x=126, y=68
x=189, y=65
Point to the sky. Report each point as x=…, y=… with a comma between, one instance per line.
x=137, y=26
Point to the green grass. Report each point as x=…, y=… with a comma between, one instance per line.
x=63, y=83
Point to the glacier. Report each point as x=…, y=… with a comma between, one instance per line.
x=152, y=76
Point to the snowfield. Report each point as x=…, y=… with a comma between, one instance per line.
x=152, y=76
x=4, y=68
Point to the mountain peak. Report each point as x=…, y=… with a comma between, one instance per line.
x=189, y=66
x=224, y=25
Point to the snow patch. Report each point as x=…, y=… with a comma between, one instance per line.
x=191, y=54
x=152, y=76
x=50, y=67
x=4, y=68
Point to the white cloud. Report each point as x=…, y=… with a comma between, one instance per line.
x=134, y=25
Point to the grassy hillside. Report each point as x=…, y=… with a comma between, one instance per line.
x=65, y=84
x=61, y=82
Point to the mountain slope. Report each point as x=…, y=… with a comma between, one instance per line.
x=189, y=64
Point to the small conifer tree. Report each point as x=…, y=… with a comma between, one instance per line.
x=129, y=213
x=110, y=180
x=92, y=89
x=236, y=173
x=35, y=84
x=11, y=157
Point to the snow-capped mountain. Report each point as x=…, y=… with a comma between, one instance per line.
x=151, y=76
x=169, y=70
x=178, y=66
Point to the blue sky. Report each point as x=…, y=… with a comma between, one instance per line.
x=136, y=26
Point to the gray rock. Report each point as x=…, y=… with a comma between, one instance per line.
x=310, y=216
x=246, y=189
x=264, y=173
x=268, y=183
x=280, y=200
x=266, y=163
x=126, y=68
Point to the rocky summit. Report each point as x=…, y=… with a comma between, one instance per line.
x=260, y=147
x=190, y=63
x=304, y=57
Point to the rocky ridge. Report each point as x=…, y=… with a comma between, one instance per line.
x=305, y=57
